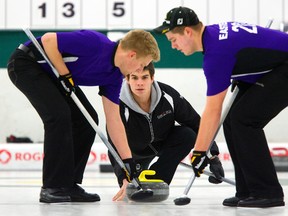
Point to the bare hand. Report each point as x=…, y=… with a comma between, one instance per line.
x=122, y=192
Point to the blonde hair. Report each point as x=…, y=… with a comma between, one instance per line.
x=142, y=42
x=180, y=29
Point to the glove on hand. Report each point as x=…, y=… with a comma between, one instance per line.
x=217, y=169
x=131, y=170
x=199, y=161
x=67, y=83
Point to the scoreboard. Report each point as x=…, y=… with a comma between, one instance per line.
x=116, y=17
x=73, y=14
x=131, y=14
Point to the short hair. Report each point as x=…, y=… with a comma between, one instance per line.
x=180, y=29
x=142, y=42
x=149, y=67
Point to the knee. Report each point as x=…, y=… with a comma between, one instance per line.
x=188, y=139
x=191, y=135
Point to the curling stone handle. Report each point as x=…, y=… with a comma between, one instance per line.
x=142, y=176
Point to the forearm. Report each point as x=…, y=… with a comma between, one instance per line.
x=208, y=127
x=116, y=128
x=117, y=134
x=49, y=41
x=209, y=121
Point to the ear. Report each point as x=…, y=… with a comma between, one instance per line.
x=188, y=30
x=132, y=54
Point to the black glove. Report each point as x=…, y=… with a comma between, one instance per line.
x=199, y=161
x=234, y=84
x=67, y=83
x=130, y=168
x=217, y=169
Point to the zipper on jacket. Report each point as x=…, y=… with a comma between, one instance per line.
x=149, y=118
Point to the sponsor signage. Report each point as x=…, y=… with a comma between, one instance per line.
x=30, y=156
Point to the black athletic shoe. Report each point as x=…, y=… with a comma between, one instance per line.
x=78, y=194
x=254, y=202
x=232, y=201
x=53, y=195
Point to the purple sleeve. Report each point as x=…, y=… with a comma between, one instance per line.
x=112, y=92
x=218, y=72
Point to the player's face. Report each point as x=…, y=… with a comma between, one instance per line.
x=140, y=84
x=181, y=42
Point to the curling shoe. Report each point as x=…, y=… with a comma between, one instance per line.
x=232, y=201
x=53, y=195
x=78, y=194
x=254, y=202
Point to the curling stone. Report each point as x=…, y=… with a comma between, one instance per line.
x=159, y=187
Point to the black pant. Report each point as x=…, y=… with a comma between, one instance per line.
x=172, y=151
x=253, y=108
x=68, y=136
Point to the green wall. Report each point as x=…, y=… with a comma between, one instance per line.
x=170, y=58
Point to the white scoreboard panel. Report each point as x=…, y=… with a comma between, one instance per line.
x=96, y=14
x=130, y=14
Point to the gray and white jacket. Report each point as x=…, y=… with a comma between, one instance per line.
x=146, y=132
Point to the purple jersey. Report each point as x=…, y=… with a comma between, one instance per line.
x=240, y=51
x=89, y=56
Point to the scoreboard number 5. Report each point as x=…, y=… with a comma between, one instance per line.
x=119, y=14
x=118, y=9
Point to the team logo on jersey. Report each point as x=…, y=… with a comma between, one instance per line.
x=223, y=31
x=164, y=114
